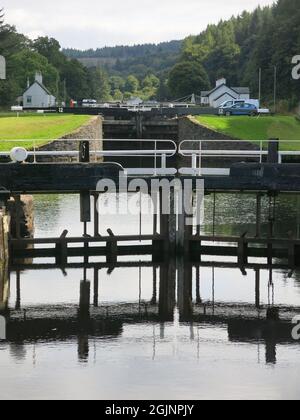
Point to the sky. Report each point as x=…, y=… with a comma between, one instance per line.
x=98, y=23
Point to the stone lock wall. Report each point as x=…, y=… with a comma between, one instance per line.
x=191, y=129
x=93, y=131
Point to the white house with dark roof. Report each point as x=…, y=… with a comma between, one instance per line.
x=37, y=95
x=222, y=93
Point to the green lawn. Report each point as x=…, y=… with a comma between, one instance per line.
x=41, y=128
x=262, y=128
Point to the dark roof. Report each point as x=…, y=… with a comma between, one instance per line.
x=41, y=85
x=223, y=94
x=241, y=90
x=205, y=93
x=216, y=88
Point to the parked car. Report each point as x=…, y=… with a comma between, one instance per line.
x=239, y=109
x=229, y=104
x=89, y=103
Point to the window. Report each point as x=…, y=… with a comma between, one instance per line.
x=29, y=99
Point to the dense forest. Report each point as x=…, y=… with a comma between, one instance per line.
x=126, y=52
x=143, y=62
x=236, y=49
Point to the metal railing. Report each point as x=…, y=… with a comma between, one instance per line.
x=159, y=150
x=198, y=150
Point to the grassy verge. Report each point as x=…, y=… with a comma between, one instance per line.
x=40, y=128
x=286, y=128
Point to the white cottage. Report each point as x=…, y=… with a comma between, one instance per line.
x=2, y=68
x=222, y=93
x=37, y=95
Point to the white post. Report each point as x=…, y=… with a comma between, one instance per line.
x=155, y=159
x=200, y=159
x=194, y=161
x=34, y=151
x=164, y=161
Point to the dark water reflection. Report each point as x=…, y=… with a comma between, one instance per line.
x=163, y=333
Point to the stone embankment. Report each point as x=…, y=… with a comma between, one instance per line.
x=92, y=131
x=189, y=128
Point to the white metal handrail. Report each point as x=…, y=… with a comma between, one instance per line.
x=160, y=150
x=194, y=149
x=99, y=153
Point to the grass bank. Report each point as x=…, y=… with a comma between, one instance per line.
x=41, y=128
x=254, y=129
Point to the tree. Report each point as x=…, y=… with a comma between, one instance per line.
x=117, y=83
x=118, y=95
x=25, y=57
x=187, y=78
x=99, y=84
x=50, y=48
x=163, y=93
x=24, y=66
x=10, y=41
x=151, y=81
x=132, y=84
x=76, y=79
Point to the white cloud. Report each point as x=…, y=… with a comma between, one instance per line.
x=95, y=23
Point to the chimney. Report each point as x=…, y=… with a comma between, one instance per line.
x=39, y=77
x=221, y=82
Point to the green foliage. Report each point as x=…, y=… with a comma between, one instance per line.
x=126, y=52
x=132, y=84
x=188, y=77
x=149, y=64
x=99, y=84
x=117, y=83
x=151, y=82
x=26, y=63
x=234, y=49
x=66, y=79
x=237, y=48
x=50, y=48
x=118, y=95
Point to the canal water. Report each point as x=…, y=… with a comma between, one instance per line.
x=137, y=356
